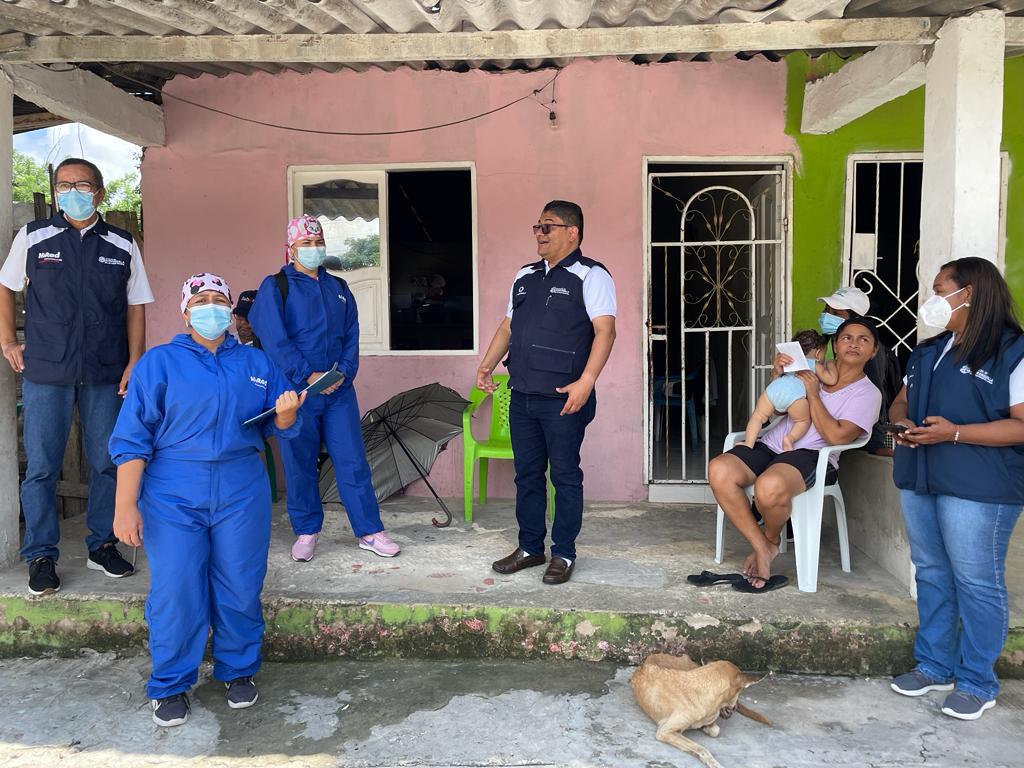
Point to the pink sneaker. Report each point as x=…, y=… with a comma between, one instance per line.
x=379, y=544
x=304, y=547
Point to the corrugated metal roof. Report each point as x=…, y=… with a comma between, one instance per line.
x=39, y=18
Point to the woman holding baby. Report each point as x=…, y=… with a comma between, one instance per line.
x=840, y=412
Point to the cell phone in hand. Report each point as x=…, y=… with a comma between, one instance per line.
x=896, y=429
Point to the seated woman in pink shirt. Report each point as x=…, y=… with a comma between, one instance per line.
x=840, y=413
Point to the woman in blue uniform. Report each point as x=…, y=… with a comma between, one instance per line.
x=306, y=320
x=191, y=483
x=959, y=465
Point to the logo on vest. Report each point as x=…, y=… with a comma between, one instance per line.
x=344, y=300
x=108, y=260
x=979, y=374
x=562, y=291
x=521, y=290
x=49, y=258
x=258, y=381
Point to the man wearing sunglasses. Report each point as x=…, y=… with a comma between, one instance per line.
x=85, y=327
x=558, y=332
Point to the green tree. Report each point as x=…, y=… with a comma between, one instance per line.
x=362, y=252
x=28, y=177
x=124, y=194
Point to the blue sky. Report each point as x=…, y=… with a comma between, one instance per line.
x=114, y=156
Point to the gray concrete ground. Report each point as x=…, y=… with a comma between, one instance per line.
x=92, y=711
x=632, y=557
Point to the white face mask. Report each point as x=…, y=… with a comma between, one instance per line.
x=936, y=312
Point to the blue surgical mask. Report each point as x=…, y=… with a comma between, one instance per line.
x=829, y=323
x=78, y=205
x=311, y=257
x=210, y=320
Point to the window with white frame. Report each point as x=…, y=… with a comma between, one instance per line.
x=403, y=237
x=883, y=238
x=881, y=249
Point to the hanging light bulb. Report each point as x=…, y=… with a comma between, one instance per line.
x=553, y=120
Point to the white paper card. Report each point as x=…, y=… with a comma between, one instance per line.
x=792, y=348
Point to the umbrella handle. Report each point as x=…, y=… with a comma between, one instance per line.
x=448, y=520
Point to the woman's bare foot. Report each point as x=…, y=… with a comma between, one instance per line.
x=761, y=569
x=749, y=565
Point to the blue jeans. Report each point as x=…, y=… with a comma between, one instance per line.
x=540, y=436
x=959, y=550
x=48, y=409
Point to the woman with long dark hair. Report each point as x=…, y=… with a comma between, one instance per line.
x=960, y=469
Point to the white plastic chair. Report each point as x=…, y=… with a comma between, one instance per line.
x=806, y=516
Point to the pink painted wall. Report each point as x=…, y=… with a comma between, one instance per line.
x=216, y=195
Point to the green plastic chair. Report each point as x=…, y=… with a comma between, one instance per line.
x=497, y=445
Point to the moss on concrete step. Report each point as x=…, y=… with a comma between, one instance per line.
x=309, y=629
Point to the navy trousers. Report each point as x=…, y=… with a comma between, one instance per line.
x=541, y=436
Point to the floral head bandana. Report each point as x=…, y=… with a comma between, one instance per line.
x=204, y=281
x=302, y=227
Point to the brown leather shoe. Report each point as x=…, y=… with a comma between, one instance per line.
x=517, y=561
x=558, y=571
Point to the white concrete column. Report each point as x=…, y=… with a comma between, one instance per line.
x=9, y=506
x=963, y=126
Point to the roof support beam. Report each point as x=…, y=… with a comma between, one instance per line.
x=9, y=507
x=83, y=97
x=963, y=121
x=511, y=45
x=874, y=79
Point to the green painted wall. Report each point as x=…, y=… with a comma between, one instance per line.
x=819, y=188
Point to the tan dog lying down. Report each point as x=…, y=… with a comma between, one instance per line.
x=678, y=694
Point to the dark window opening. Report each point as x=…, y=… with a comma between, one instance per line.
x=430, y=259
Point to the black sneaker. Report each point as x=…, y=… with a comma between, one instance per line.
x=109, y=560
x=171, y=710
x=242, y=693
x=42, y=576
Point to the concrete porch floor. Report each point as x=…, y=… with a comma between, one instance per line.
x=440, y=598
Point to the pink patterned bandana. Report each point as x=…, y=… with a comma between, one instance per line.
x=204, y=281
x=302, y=227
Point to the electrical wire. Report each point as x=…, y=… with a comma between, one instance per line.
x=266, y=124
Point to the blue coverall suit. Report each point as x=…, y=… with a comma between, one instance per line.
x=316, y=326
x=205, y=502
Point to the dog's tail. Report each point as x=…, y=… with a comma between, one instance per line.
x=753, y=714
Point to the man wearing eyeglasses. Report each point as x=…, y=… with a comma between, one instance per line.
x=85, y=327
x=558, y=332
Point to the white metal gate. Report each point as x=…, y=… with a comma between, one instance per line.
x=716, y=308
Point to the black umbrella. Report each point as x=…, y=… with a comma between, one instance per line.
x=403, y=438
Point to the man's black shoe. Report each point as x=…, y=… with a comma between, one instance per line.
x=109, y=560
x=559, y=571
x=517, y=561
x=42, y=576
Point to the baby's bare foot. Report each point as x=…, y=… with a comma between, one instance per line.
x=787, y=443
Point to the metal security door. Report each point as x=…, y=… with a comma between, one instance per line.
x=716, y=309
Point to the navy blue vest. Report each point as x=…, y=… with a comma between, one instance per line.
x=974, y=472
x=76, y=302
x=551, y=331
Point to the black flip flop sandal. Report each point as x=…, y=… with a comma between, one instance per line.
x=707, y=578
x=775, y=582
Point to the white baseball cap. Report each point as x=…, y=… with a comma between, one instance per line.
x=847, y=297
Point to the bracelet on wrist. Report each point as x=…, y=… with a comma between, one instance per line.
x=956, y=436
